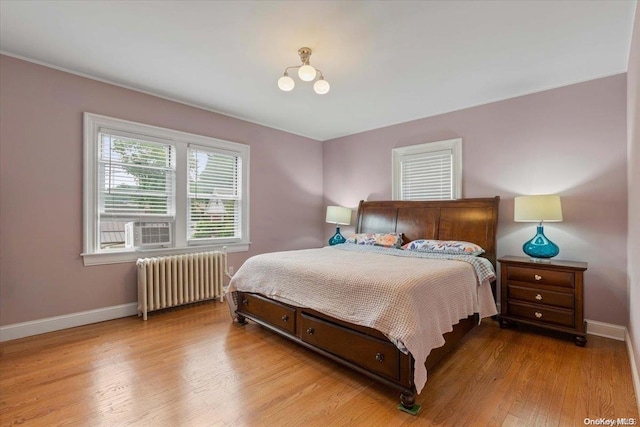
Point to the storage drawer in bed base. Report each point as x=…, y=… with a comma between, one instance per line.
x=277, y=314
x=374, y=354
x=395, y=369
x=386, y=363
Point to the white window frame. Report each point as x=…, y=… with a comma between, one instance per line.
x=207, y=149
x=92, y=254
x=454, y=145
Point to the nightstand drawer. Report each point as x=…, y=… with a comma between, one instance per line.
x=541, y=276
x=538, y=296
x=542, y=314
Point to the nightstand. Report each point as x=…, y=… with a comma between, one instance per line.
x=548, y=295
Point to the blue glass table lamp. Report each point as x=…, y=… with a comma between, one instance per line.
x=538, y=209
x=339, y=216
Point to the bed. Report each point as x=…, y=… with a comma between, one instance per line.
x=340, y=315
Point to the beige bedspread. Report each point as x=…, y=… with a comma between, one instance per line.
x=413, y=301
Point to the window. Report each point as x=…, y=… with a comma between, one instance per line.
x=136, y=180
x=431, y=171
x=135, y=172
x=214, y=194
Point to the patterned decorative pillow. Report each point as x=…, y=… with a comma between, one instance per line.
x=450, y=247
x=388, y=240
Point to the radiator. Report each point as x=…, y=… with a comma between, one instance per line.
x=179, y=279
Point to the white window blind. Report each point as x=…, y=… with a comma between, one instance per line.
x=427, y=171
x=136, y=177
x=426, y=176
x=215, y=194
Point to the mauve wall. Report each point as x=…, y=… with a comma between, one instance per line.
x=41, y=271
x=570, y=141
x=633, y=126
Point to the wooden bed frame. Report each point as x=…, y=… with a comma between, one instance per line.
x=364, y=349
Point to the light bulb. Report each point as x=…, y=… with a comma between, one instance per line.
x=286, y=83
x=321, y=86
x=307, y=73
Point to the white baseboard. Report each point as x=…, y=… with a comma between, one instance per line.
x=50, y=324
x=634, y=369
x=607, y=330
x=619, y=333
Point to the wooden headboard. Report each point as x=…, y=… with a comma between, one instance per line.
x=471, y=220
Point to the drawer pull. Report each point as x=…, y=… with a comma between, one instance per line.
x=379, y=357
x=285, y=318
x=539, y=297
x=245, y=301
x=538, y=314
x=310, y=331
x=537, y=277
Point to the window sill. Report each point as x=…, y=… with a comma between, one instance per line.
x=119, y=257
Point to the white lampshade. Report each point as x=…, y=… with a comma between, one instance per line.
x=307, y=73
x=338, y=215
x=286, y=83
x=321, y=86
x=537, y=208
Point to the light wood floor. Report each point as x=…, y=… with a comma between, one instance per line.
x=193, y=367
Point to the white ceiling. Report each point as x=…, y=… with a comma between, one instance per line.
x=387, y=62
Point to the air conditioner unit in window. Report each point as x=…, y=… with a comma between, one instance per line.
x=148, y=234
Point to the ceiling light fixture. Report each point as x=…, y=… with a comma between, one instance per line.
x=306, y=73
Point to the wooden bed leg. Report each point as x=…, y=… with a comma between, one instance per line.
x=241, y=319
x=407, y=399
x=408, y=403
x=504, y=323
